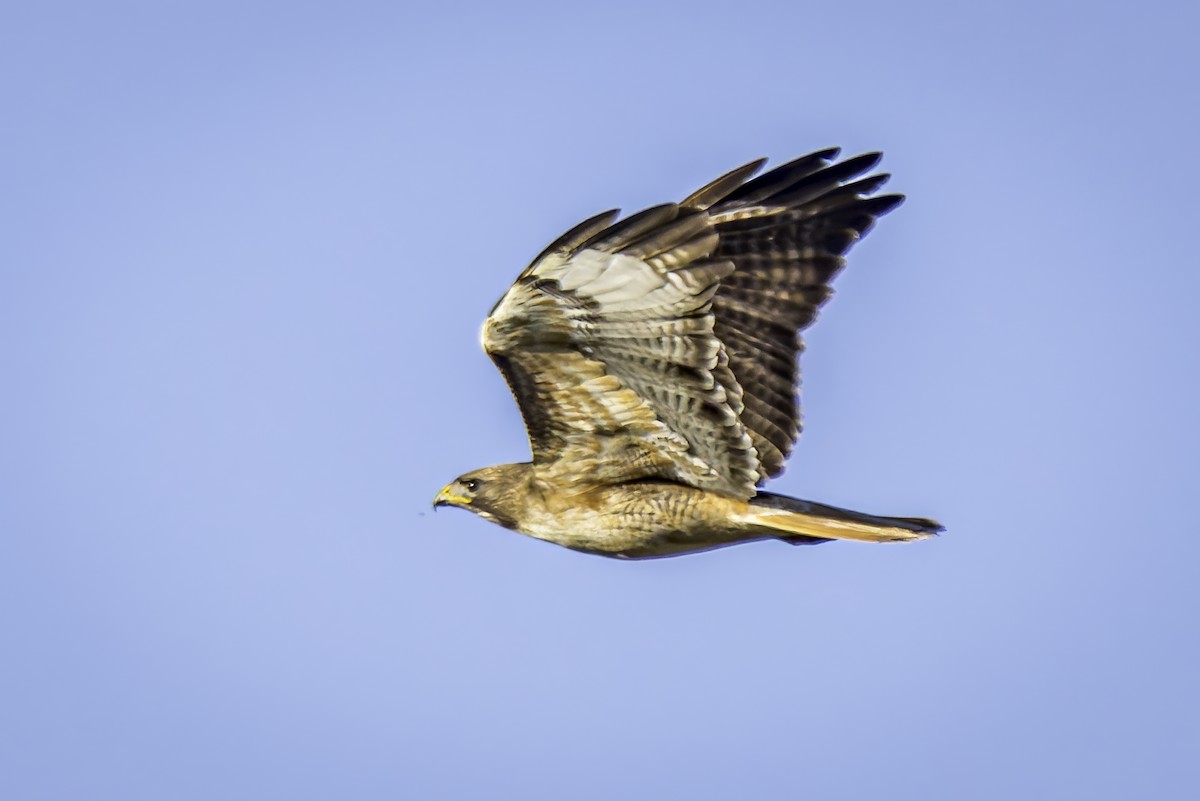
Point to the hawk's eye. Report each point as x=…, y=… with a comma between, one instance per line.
x=471, y=484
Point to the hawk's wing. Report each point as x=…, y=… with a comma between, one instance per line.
x=665, y=345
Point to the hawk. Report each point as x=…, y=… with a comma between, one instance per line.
x=654, y=361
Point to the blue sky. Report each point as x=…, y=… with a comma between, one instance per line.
x=246, y=251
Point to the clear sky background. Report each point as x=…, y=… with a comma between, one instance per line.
x=245, y=250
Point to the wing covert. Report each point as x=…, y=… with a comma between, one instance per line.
x=613, y=361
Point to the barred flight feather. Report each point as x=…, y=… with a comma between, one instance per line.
x=676, y=330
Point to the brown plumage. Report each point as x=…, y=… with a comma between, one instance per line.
x=654, y=363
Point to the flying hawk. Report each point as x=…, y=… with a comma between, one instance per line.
x=654, y=362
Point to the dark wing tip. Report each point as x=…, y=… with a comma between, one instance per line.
x=781, y=178
x=717, y=190
x=882, y=204
x=861, y=163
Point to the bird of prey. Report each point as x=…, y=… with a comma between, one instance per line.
x=654, y=360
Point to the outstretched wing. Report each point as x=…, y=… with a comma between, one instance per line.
x=665, y=345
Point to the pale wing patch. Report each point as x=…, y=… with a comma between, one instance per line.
x=646, y=333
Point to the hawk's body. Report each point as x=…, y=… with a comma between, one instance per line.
x=654, y=362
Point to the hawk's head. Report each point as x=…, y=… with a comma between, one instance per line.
x=459, y=492
x=496, y=494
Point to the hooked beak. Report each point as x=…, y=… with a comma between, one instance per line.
x=448, y=497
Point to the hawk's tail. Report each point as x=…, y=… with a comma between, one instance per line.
x=802, y=522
